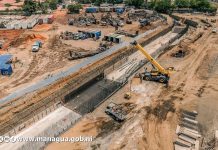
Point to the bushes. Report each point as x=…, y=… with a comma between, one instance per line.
x=74, y=8
x=164, y=6
x=7, y=5
x=136, y=3
x=53, y=4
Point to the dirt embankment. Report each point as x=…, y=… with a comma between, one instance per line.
x=8, y=36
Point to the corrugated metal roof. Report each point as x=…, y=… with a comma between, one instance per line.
x=3, y=60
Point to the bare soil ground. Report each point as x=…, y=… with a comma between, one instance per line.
x=152, y=123
x=52, y=57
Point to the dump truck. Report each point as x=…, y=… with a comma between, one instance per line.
x=115, y=111
x=36, y=46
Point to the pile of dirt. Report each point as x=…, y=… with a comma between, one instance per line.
x=107, y=127
x=8, y=36
x=61, y=16
x=160, y=111
x=42, y=27
x=54, y=42
x=127, y=107
x=26, y=39
x=180, y=53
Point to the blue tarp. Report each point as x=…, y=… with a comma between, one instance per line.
x=120, y=10
x=91, y=10
x=5, y=68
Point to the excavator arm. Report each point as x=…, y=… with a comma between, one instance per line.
x=151, y=59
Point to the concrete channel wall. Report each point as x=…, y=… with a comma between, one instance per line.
x=75, y=82
x=50, y=126
x=186, y=21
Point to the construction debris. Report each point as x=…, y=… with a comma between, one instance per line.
x=72, y=36
x=81, y=34
x=161, y=110
x=122, y=32
x=188, y=133
x=83, y=20
x=103, y=46
x=115, y=111
x=108, y=19
x=108, y=127
x=144, y=22
x=179, y=54
x=79, y=55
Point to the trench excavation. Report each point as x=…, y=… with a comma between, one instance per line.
x=72, y=87
x=85, y=99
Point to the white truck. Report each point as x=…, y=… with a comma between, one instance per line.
x=36, y=46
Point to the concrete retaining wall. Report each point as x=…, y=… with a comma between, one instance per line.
x=50, y=126
x=187, y=21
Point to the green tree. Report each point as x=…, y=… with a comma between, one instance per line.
x=182, y=3
x=43, y=6
x=163, y=6
x=152, y=4
x=193, y=4
x=29, y=7
x=136, y=3
x=74, y=8
x=202, y=5
x=53, y=4
x=98, y=2
x=7, y=5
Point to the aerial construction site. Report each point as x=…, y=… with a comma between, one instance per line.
x=107, y=76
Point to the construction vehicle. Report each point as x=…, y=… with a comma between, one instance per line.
x=214, y=30
x=36, y=46
x=159, y=74
x=144, y=22
x=115, y=111
x=127, y=95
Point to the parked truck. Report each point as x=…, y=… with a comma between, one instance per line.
x=36, y=46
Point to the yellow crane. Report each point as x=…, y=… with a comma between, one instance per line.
x=160, y=74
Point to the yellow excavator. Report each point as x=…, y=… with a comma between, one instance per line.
x=160, y=74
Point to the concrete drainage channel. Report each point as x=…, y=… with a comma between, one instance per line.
x=84, y=100
x=87, y=97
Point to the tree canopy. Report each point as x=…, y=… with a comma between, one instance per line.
x=74, y=8
x=164, y=6
x=136, y=3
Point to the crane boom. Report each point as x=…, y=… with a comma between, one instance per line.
x=151, y=59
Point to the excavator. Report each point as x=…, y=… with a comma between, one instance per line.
x=158, y=74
